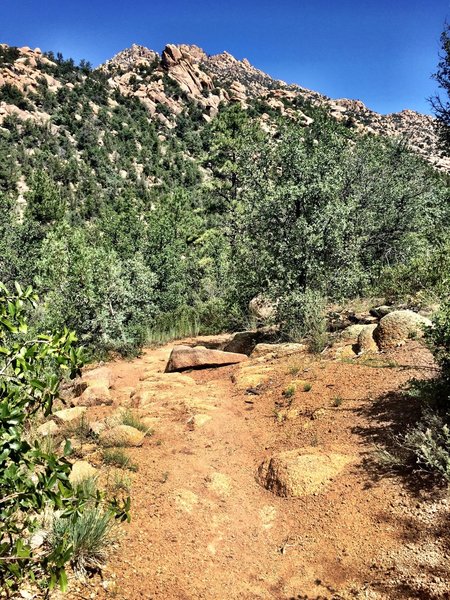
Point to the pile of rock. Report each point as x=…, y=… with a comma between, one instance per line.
x=391, y=329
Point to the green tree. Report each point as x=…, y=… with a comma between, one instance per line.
x=31, y=478
x=441, y=103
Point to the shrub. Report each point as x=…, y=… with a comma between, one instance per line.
x=116, y=457
x=302, y=316
x=33, y=478
x=12, y=95
x=438, y=338
x=129, y=418
x=424, y=447
x=30, y=478
x=89, y=535
x=337, y=401
x=289, y=392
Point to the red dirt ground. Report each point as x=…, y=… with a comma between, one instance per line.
x=203, y=529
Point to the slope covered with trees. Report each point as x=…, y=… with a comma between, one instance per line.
x=134, y=224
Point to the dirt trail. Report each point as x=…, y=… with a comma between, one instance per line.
x=202, y=527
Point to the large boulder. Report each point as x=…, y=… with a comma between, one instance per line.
x=185, y=357
x=121, y=435
x=396, y=327
x=301, y=472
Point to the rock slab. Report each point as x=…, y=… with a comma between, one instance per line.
x=185, y=357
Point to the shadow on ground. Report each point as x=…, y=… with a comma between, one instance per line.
x=424, y=528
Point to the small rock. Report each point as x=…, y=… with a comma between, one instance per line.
x=100, y=376
x=97, y=427
x=381, y=311
x=122, y=435
x=48, y=428
x=70, y=414
x=301, y=472
x=350, y=334
x=199, y=420
x=366, y=341
x=81, y=470
x=95, y=396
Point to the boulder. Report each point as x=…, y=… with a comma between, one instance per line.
x=121, y=435
x=351, y=333
x=396, y=327
x=301, y=472
x=366, y=341
x=185, y=357
x=95, y=395
x=277, y=350
x=70, y=414
x=100, y=376
x=244, y=342
x=262, y=308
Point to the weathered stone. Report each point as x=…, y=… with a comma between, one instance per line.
x=244, y=342
x=121, y=435
x=366, y=341
x=278, y=350
x=350, y=334
x=70, y=414
x=96, y=427
x=396, y=327
x=48, y=428
x=262, y=308
x=185, y=357
x=81, y=470
x=94, y=396
x=300, y=472
x=219, y=483
x=100, y=376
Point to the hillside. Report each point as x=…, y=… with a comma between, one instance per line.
x=208, y=81
x=224, y=314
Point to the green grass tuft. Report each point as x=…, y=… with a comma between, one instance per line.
x=116, y=457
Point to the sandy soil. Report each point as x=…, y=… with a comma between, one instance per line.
x=203, y=529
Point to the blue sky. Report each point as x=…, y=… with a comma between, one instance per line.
x=379, y=51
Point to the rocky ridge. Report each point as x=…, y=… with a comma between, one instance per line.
x=223, y=77
x=185, y=74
